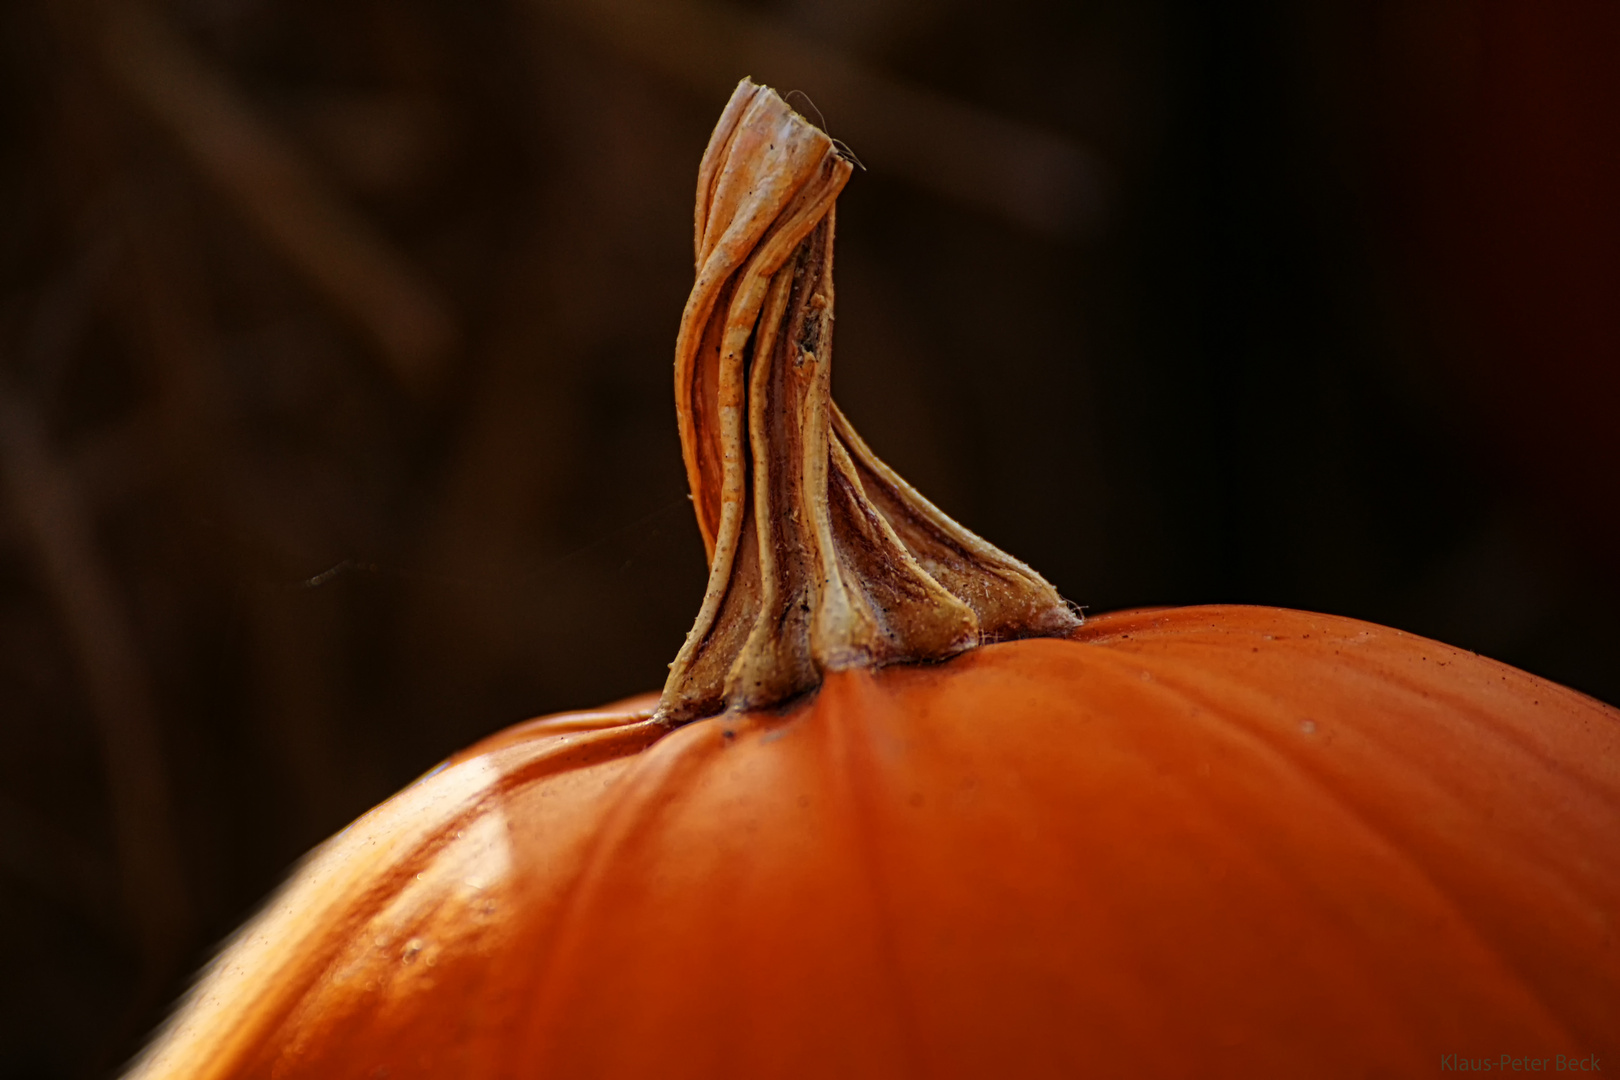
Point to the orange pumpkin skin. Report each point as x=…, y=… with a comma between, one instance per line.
x=1197, y=842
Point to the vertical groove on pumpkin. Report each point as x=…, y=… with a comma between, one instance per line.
x=820, y=557
x=670, y=765
x=859, y=718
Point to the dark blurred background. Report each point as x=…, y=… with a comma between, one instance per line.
x=335, y=414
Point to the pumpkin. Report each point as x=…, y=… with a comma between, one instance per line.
x=898, y=812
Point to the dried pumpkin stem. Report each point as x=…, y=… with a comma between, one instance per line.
x=820, y=557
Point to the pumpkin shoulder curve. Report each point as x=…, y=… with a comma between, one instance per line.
x=1212, y=835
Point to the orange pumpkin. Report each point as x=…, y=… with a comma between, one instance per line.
x=1196, y=842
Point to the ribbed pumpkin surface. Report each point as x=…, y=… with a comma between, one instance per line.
x=1194, y=842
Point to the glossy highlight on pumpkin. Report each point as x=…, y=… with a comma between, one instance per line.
x=1191, y=842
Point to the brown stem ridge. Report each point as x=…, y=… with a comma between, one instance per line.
x=821, y=558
